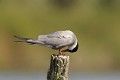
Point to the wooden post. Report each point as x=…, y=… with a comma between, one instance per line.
x=58, y=67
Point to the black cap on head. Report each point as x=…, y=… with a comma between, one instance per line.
x=75, y=49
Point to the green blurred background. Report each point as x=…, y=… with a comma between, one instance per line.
x=96, y=24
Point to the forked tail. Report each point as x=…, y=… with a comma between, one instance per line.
x=27, y=40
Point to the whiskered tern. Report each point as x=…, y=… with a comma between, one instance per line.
x=56, y=40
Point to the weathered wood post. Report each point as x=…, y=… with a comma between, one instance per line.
x=58, y=67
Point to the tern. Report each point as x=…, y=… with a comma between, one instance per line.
x=56, y=40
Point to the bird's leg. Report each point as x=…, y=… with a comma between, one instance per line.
x=60, y=53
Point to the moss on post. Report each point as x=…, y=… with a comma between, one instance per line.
x=58, y=68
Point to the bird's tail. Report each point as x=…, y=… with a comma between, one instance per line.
x=27, y=40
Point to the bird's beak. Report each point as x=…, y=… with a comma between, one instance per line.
x=66, y=50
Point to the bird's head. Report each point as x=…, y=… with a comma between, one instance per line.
x=72, y=50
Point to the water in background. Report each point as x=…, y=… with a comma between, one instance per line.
x=96, y=24
x=72, y=76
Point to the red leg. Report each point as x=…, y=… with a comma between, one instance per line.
x=60, y=53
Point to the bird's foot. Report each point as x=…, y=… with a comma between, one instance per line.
x=60, y=53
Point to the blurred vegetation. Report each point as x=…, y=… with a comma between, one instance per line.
x=95, y=22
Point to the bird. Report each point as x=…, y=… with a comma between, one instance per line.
x=56, y=40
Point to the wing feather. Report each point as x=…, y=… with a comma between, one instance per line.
x=55, y=40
